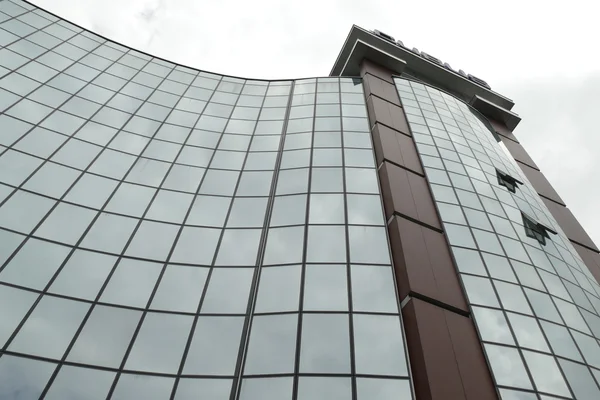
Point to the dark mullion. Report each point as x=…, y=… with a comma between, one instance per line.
x=489, y=277
x=211, y=267
x=76, y=246
x=348, y=268
x=304, y=252
x=30, y=234
x=504, y=311
x=250, y=313
x=140, y=221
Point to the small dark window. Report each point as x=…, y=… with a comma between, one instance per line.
x=508, y=181
x=536, y=230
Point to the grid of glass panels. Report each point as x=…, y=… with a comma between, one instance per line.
x=536, y=306
x=170, y=233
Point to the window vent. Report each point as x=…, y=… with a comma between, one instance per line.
x=508, y=181
x=536, y=230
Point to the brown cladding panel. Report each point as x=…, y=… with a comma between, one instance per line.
x=569, y=224
x=590, y=258
x=435, y=373
x=396, y=147
x=518, y=152
x=423, y=263
x=387, y=113
x=369, y=67
x=407, y=194
x=476, y=378
x=540, y=183
x=381, y=88
x=445, y=353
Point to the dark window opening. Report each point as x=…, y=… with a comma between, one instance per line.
x=536, y=230
x=508, y=181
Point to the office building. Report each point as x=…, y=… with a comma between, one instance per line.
x=167, y=232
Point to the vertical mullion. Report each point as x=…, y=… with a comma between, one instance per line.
x=348, y=268
x=304, y=252
x=246, y=331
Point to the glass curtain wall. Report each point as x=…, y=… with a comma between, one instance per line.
x=535, y=303
x=172, y=233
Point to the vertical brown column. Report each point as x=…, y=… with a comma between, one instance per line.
x=579, y=238
x=447, y=360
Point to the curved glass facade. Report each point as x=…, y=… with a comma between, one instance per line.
x=172, y=233
x=535, y=305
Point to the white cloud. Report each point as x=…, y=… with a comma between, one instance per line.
x=542, y=54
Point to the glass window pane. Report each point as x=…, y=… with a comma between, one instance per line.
x=215, y=345
x=321, y=388
x=147, y=387
x=170, y=206
x=326, y=288
x=279, y=289
x=581, y=381
x=289, y=210
x=512, y=297
x=361, y=180
x=272, y=346
x=130, y=199
x=209, y=211
x=213, y=389
x=327, y=180
x=34, y=264
x=383, y=389
x=267, y=388
x=507, y=366
x=120, y=289
x=364, y=209
x=109, y=233
x=105, y=336
x=196, y=246
x=83, y=275
x=248, y=212
x=228, y=291
x=326, y=209
x=326, y=244
x=54, y=319
x=378, y=345
x=180, y=289
x=66, y=223
x=480, y=291
x=325, y=344
x=560, y=340
x=546, y=374
x=292, y=181
x=528, y=332
x=284, y=245
x=368, y=245
x=23, y=377
x=492, y=325
x=14, y=304
x=239, y=247
x=153, y=240
x=373, y=289
x=542, y=305
x=74, y=382
x=160, y=343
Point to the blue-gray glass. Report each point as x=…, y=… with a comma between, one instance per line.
x=167, y=231
x=531, y=301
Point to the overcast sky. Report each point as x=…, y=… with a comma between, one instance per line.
x=541, y=54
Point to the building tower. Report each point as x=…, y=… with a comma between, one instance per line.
x=170, y=233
